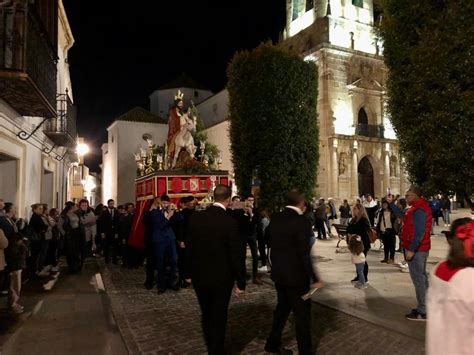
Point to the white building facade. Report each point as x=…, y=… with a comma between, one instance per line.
x=125, y=138
x=37, y=121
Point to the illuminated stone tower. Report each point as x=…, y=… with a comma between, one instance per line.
x=358, y=147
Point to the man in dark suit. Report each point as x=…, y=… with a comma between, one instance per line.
x=215, y=260
x=292, y=272
x=247, y=220
x=108, y=225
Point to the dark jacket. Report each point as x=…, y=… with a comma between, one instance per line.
x=215, y=249
x=38, y=226
x=161, y=227
x=124, y=226
x=247, y=225
x=345, y=211
x=107, y=223
x=15, y=254
x=146, y=220
x=361, y=228
x=8, y=226
x=289, y=240
x=177, y=226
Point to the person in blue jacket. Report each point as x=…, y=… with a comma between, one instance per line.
x=164, y=245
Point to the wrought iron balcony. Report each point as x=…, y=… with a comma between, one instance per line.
x=373, y=131
x=28, y=57
x=62, y=129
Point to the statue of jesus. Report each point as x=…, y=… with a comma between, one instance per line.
x=174, y=123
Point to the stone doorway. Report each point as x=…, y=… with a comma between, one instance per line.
x=365, y=173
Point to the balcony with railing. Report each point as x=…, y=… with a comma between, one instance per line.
x=28, y=55
x=372, y=131
x=62, y=129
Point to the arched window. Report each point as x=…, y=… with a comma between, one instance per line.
x=362, y=117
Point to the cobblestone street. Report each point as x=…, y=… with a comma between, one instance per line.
x=170, y=323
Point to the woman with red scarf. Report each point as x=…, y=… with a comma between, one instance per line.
x=450, y=298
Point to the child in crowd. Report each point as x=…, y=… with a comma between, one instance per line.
x=356, y=247
x=450, y=298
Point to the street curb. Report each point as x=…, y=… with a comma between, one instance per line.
x=104, y=271
x=358, y=316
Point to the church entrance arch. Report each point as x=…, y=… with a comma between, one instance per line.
x=365, y=173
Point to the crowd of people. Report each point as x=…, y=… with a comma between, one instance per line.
x=31, y=249
x=208, y=250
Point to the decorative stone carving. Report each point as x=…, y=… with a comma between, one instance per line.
x=393, y=166
x=343, y=157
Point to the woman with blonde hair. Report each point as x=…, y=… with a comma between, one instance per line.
x=359, y=226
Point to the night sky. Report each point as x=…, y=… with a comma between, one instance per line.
x=124, y=50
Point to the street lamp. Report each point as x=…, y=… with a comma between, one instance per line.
x=82, y=149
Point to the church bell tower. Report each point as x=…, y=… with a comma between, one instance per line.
x=358, y=147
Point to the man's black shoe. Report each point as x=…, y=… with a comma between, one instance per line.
x=282, y=351
x=355, y=279
x=161, y=291
x=148, y=286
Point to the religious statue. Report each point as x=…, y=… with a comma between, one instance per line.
x=174, y=123
x=342, y=163
x=184, y=138
x=393, y=166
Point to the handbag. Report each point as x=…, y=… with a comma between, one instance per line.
x=372, y=234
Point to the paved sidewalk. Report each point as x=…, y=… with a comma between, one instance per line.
x=391, y=293
x=69, y=314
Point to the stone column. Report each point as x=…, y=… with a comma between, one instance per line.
x=386, y=167
x=354, y=176
x=334, y=170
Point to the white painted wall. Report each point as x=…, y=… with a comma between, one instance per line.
x=162, y=100
x=219, y=135
x=215, y=109
x=119, y=167
x=9, y=180
x=65, y=42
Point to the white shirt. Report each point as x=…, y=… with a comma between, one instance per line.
x=386, y=222
x=358, y=259
x=370, y=204
x=218, y=204
x=296, y=209
x=450, y=313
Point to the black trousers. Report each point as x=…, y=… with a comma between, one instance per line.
x=251, y=240
x=52, y=258
x=150, y=264
x=319, y=224
x=389, y=241
x=214, y=303
x=181, y=262
x=289, y=300
x=262, y=249
x=111, y=248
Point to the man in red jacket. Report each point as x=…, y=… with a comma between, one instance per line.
x=417, y=244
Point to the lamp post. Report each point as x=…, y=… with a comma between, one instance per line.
x=82, y=149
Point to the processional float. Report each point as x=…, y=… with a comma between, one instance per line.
x=186, y=165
